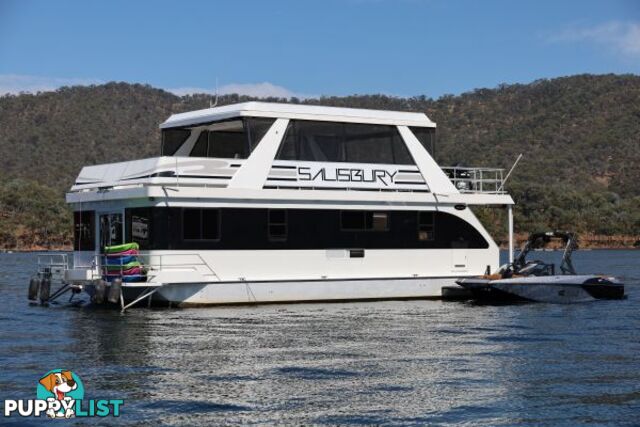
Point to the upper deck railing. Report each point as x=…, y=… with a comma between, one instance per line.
x=476, y=180
x=213, y=172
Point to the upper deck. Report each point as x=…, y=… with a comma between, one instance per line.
x=298, y=112
x=279, y=149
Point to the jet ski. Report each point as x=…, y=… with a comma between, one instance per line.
x=537, y=281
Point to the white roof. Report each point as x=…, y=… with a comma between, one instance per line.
x=297, y=111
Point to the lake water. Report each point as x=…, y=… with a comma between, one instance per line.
x=395, y=363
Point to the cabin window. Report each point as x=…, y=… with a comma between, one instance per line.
x=84, y=231
x=426, y=226
x=200, y=147
x=314, y=141
x=364, y=221
x=228, y=144
x=172, y=139
x=257, y=127
x=200, y=224
x=306, y=229
x=343, y=142
x=368, y=143
x=427, y=137
x=138, y=226
x=277, y=219
x=234, y=139
x=380, y=221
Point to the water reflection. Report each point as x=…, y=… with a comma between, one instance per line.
x=368, y=363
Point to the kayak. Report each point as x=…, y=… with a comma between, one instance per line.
x=121, y=260
x=129, y=252
x=128, y=270
x=121, y=248
x=122, y=267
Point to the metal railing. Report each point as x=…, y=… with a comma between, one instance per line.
x=476, y=180
x=54, y=265
x=152, y=264
x=58, y=264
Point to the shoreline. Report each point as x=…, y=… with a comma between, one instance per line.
x=587, y=243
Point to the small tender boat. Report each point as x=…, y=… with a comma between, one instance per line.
x=536, y=280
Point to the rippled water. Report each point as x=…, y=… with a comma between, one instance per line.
x=419, y=362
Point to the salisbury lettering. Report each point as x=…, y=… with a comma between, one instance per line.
x=347, y=175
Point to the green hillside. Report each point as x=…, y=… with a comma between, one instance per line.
x=580, y=137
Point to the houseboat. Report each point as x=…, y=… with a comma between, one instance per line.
x=265, y=202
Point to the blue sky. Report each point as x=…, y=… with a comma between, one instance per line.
x=310, y=48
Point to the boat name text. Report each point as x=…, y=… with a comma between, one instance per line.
x=346, y=175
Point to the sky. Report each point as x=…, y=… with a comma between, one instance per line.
x=308, y=48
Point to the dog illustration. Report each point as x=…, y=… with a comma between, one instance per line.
x=59, y=383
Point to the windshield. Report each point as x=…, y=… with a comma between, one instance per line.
x=537, y=268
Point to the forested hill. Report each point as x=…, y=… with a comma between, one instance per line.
x=580, y=136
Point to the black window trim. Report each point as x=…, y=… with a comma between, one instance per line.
x=433, y=140
x=201, y=209
x=271, y=237
x=308, y=228
x=365, y=229
x=420, y=226
x=79, y=228
x=292, y=128
x=162, y=136
x=249, y=147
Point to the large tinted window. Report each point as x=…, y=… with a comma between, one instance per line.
x=257, y=228
x=200, y=147
x=369, y=143
x=172, y=139
x=426, y=225
x=256, y=128
x=234, y=139
x=427, y=137
x=200, y=224
x=230, y=144
x=364, y=221
x=277, y=219
x=343, y=142
x=314, y=141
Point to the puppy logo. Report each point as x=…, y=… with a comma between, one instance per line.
x=64, y=387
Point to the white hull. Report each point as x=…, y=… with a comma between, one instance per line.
x=194, y=294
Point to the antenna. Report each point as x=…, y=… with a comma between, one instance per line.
x=509, y=174
x=216, y=101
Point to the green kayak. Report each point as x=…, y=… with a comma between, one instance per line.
x=121, y=248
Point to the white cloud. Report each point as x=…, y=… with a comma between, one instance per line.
x=16, y=83
x=621, y=37
x=260, y=90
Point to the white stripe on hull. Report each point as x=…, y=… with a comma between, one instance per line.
x=185, y=294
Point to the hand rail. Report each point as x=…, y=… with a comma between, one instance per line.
x=154, y=262
x=62, y=262
x=54, y=265
x=476, y=180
